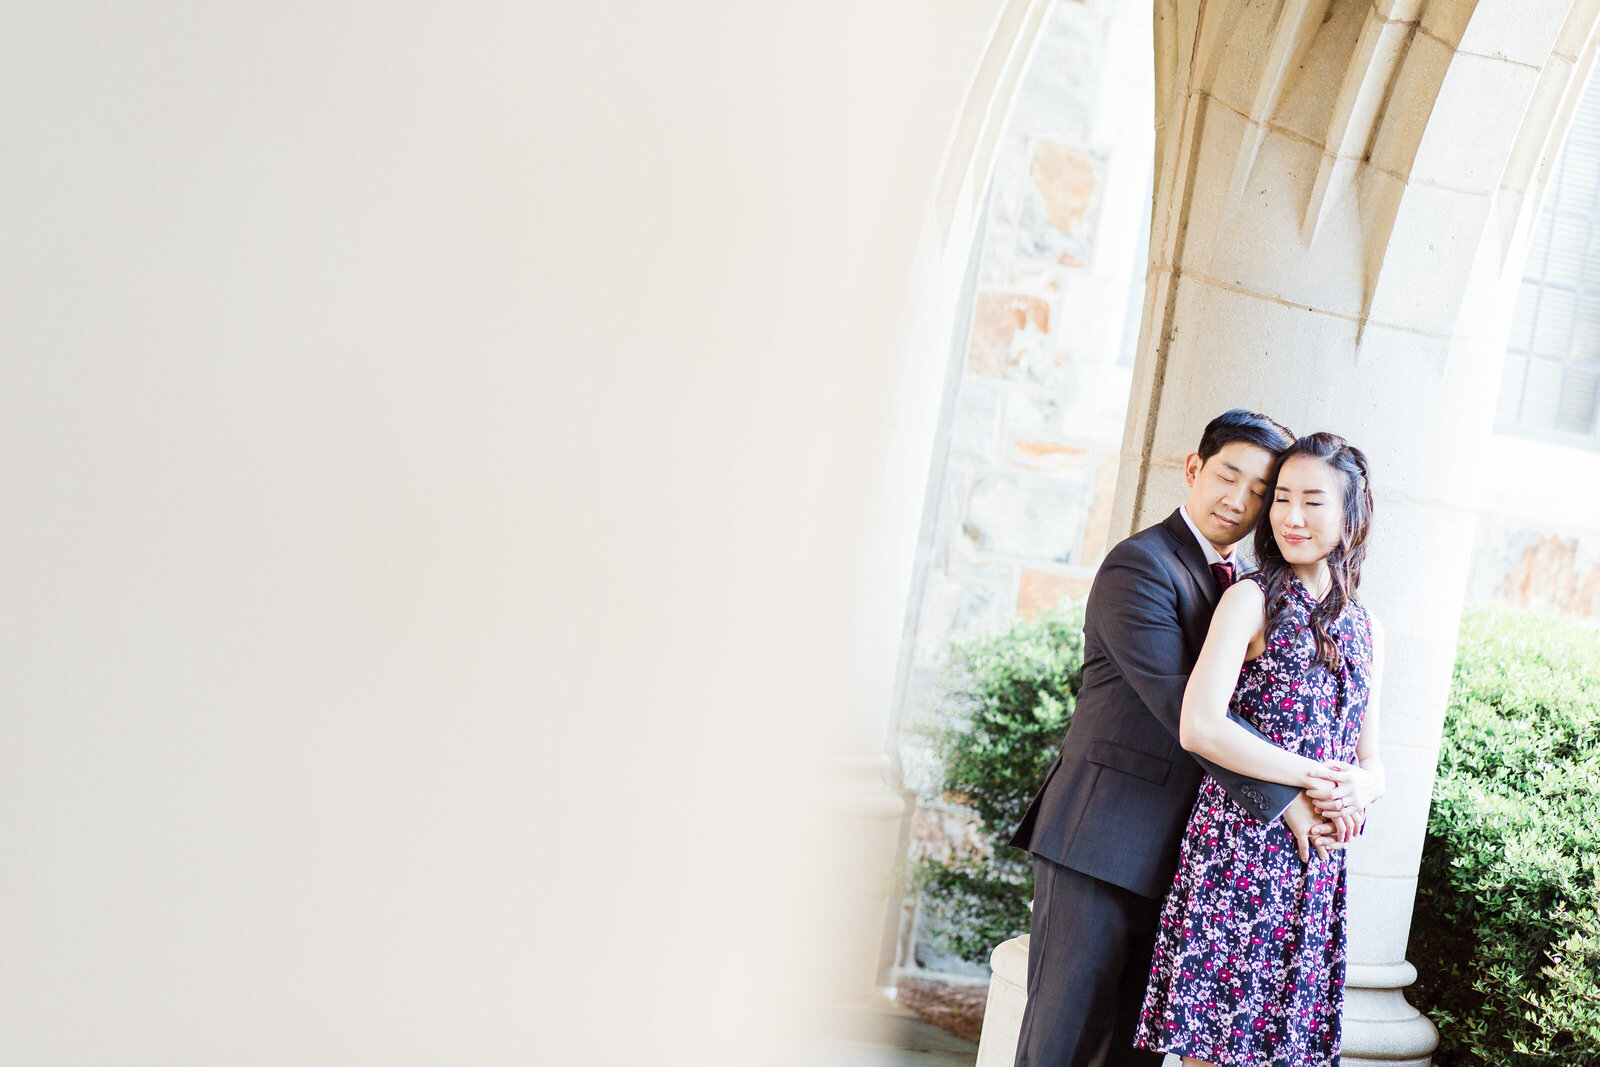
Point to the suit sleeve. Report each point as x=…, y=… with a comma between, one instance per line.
x=1134, y=608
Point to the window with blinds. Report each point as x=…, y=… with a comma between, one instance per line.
x=1551, y=383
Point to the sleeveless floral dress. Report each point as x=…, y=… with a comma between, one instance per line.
x=1249, y=961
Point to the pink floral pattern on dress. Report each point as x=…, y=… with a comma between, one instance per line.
x=1249, y=962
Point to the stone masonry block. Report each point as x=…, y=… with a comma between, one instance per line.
x=962, y=600
x=1027, y=517
x=1010, y=179
x=1422, y=72
x=1428, y=259
x=1380, y=917
x=1097, y=527
x=1230, y=349
x=1552, y=573
x=1392, y=845
x=1041, y=590
x=1416, y=689
x=1399, y=10
x=1523, y=32
x=1351, y=31
x=1473, y=124
x=977, y=421
x=1030, y=414
x=1244, y=52
x=1414, y=582
x=1049, y=456
x=1060, y=204
x=1447, y=20
x=1259, y=247
x=1008, y=331
x=1058, y=94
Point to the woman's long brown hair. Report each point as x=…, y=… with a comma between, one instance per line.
x=1344, y=562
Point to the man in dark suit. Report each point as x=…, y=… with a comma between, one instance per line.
x=1105, y=829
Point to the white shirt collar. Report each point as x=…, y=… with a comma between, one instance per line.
x=1212, y=555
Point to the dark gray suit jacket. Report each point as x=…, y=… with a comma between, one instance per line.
x=1118, y=796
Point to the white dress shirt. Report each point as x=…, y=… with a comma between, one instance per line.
x=1212, y=555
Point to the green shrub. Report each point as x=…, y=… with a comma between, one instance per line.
x=1005, y=700
x=1506, y=935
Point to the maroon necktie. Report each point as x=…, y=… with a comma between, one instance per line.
x=1223, y=573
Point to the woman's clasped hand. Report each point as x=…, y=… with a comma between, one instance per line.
x=1341, y=793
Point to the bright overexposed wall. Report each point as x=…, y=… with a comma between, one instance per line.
x=431, y=442
x=1040, y=358
x=1538, y=543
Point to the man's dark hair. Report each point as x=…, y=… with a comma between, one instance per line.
x=1248, y=426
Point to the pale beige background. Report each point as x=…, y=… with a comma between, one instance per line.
x=426, y=478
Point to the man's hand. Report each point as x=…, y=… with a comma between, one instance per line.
x=1344, y=798
x=1310, y=829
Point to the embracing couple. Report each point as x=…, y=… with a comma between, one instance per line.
x=1189, y=892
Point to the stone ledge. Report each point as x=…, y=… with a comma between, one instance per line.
x=1008, y=996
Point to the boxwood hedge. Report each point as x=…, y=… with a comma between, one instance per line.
x=1506, y=933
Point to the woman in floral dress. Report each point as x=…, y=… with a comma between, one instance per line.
x=1249, y=962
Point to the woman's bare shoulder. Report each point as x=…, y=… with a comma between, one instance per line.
x=1243, y=592
x=1241, y=609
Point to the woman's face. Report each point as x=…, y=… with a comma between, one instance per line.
x=1307, y=513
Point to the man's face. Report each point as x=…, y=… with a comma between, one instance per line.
x=1226, y=491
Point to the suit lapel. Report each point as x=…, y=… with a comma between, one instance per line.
x=1194, y=560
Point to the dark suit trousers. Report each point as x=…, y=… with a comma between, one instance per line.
x=1088, y=960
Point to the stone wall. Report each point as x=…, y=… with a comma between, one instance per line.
x=1028, y=461
x=1029, y=466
